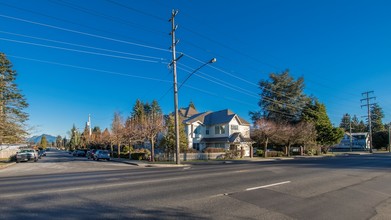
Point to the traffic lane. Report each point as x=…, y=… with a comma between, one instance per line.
x=235, y=174
x=170, y=194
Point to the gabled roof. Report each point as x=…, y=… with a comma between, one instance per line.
x=188, y=112
x=213, y=118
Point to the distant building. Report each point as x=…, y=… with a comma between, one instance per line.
x=359, y=141
x=220, y=129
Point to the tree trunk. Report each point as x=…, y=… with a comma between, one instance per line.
x=152, y=149
x=111, y=149
x=265, y=148
x=289, y=150
x=119, y=149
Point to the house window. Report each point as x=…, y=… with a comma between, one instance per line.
x=220, y=145
x=196, y=146
x=207, y=131
x=197, y=130
x=234, y=127
x=220, y=129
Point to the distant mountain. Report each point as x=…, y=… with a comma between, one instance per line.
x=37, y=139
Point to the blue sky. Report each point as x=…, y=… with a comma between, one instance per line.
x=76, y=58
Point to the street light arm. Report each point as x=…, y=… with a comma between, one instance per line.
x=213, y=60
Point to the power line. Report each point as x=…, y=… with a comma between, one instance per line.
x=79, y=51
x=68, y=21
x=80, y=45
x=83, y=33
x=89, y=69
x=105, y=16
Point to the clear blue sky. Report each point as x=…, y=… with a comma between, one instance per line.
x=76, y=58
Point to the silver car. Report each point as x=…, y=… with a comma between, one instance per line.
x=101, y=154
x=26, y=155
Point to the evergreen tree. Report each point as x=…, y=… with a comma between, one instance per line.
x=155, y=109
x=345, y=122
x=376, y=116
x=168, y=142
x=74, y=143
x=282, y=98
x=59, y=141
x=44, y=142
x=138, y=110
x=326, y=134
x=12, y=104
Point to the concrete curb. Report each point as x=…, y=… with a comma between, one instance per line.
x=143, y=164
x=7, y=165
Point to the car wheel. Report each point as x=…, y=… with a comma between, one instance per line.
x=93, y=158
x=97, y=159
x=17, y=161
x=108, y=159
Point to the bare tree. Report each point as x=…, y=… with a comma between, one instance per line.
x=133, y=131
x=152, y=126
x=117, y=131
x=264, y=132
x=300, y=133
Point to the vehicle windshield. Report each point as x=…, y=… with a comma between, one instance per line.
x=26, y=151
x=104, y=152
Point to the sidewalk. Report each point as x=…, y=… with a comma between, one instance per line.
x=146, y=164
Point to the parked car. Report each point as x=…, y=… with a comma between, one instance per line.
x=80, y=153
x=41, y=153
x=102, y=154
x=27, y=155
x=90, y=153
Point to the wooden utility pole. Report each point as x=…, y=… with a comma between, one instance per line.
x=174, y=60
x=367, y=99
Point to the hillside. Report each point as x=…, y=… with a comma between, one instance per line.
x=37, y=139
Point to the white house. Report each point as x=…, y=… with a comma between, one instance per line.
x=221, y=129
x=359, y=141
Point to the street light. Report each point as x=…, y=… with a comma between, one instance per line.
x=389, y=138
x=213, y=60
x=177, y=142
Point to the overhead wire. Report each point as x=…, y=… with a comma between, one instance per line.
x=68, y=21
x=79, y=51
x=83, y=46
x=83, y=33
x=102, y=15
x=205, y=37
x=88, y=68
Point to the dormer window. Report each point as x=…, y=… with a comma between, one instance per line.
x=220, y=129
x=234, y=127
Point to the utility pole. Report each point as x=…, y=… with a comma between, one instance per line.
x=174, y=60
x=350, y=132
x=367, y=99
x=89, y=124
x=389, y=138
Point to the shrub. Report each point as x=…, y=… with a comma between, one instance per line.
x=259, y=153
x=213, y=150
x=275, y=153
x=138, y=156
x=231, y=154
x=192, y=150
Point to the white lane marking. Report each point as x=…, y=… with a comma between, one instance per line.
x=265, y=186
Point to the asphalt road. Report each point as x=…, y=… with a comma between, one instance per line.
x=60, y=186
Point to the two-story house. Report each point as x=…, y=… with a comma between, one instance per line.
x=221, y=129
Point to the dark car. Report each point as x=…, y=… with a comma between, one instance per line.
x=102, y=154
x=42, y=153
x=91, y=153
x=80, y=153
